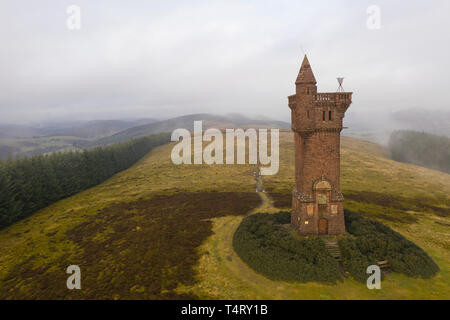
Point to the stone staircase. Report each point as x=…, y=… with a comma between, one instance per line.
x=333, y=248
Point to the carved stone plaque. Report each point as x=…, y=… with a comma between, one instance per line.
x=334, y=209
x=322, y=198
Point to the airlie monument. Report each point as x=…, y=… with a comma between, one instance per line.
x=317, y=202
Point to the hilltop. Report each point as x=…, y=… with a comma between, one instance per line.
x=158, y=230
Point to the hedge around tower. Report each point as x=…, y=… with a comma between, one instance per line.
x=270, y=249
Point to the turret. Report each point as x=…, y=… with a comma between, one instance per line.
x=303, y=113
x=312, y=111
x=306, y=82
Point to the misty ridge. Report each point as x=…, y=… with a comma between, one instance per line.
x=420, y=148
x=378, y=126
x=81, y=129
x=28, y=140
x=64, y=135
x=19, y=140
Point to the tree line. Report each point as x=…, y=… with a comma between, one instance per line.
x=420, y=148
x=30, y=184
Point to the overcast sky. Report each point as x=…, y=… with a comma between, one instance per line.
x=168, y=58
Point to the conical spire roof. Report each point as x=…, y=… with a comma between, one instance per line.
x=306, y=75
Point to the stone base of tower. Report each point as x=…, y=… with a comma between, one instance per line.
x=308, y=218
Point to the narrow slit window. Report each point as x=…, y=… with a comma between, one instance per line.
x=330, y=115
x=324, y=116
x=308, y=115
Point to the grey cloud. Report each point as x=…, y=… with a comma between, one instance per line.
x=153, y=59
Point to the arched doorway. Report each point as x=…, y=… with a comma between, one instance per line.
x=323, y=226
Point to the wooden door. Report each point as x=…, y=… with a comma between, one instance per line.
x=323, y=226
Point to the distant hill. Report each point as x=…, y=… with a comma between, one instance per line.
x=20, y=140
x=95, y=129
x=377, y=126
x=420, y=148
x=81, y=129
x=431, y=121
x=12, y=131
x=7, y=150
x=186, y=122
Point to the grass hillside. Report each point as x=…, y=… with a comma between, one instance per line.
x=158, y=231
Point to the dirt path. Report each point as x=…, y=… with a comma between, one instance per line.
x=223, y=275
x=266, y=205
x=221, y=272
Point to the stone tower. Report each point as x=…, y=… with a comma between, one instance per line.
x=317, y=202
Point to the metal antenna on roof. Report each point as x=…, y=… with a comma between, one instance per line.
x=340, y=81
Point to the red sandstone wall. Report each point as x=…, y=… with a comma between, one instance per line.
x=317, y=155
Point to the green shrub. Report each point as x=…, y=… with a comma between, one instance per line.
x=269, y=249
x=277, y=254
x=353, y=260
x=373, y=242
